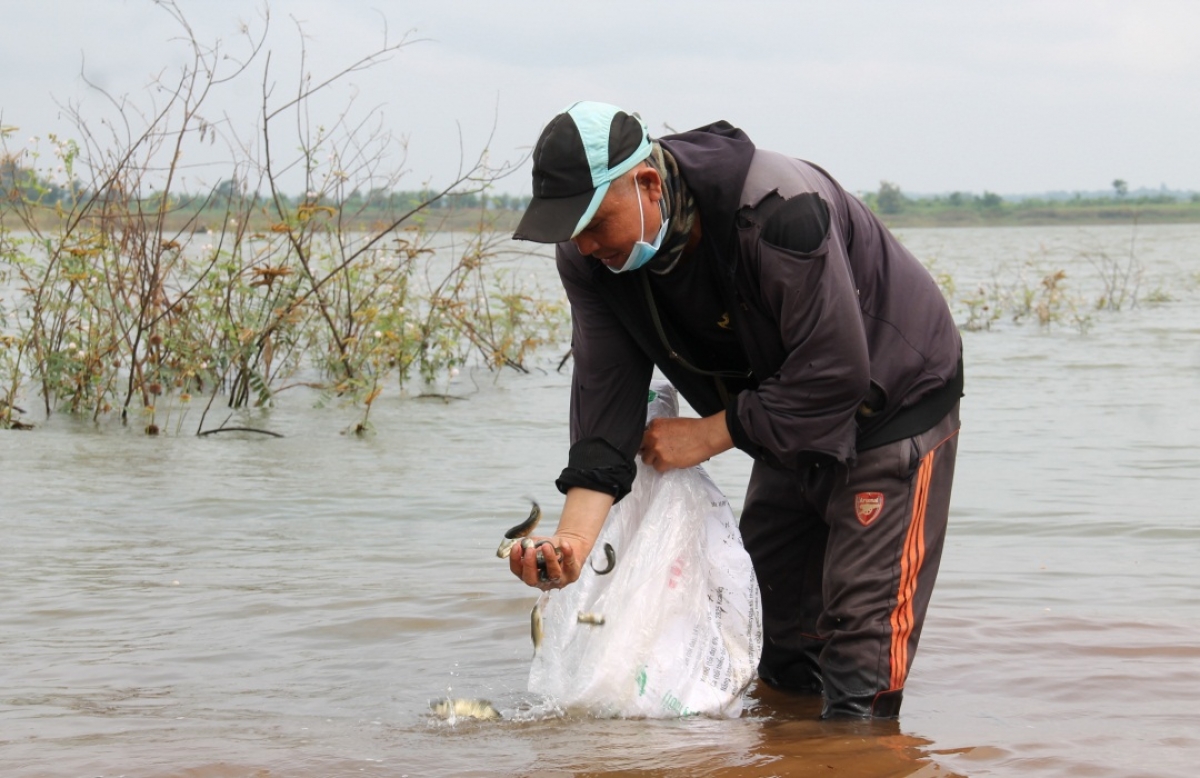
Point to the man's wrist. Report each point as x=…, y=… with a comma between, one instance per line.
x=717, y=434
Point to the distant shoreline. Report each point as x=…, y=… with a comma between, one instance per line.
x=1046, y=215
x=916, y=213
x=216, y=220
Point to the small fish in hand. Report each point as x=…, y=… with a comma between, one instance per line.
x=528, y=543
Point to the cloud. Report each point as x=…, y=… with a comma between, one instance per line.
x=937, y=95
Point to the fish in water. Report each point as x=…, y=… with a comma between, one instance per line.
x=611, y=555
x=520, y=531
x=452, y=709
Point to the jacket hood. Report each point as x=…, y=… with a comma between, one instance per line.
x=713, y=161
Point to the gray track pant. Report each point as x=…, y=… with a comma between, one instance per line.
x=846, y=559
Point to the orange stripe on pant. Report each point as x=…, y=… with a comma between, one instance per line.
x=910, y=567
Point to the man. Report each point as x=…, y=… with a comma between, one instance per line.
x=802, y=333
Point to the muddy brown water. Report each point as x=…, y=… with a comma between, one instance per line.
x=238, y=605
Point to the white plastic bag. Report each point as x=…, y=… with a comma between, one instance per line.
x=682, y=630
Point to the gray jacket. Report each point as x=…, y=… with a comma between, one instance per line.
x=845, y=333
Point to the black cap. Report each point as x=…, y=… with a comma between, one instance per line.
x=580, y=152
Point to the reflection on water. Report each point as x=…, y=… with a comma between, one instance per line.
x=236, y=605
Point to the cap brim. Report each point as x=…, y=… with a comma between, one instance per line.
x=553, y=219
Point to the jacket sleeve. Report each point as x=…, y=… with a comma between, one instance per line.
x=610, y=379
x=805, y=412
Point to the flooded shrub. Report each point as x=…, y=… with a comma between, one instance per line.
x=122, y=291
x=1060, y=288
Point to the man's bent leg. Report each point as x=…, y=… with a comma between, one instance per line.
x=785, y=538
x=887, y=517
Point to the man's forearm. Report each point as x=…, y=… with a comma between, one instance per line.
x=583, y=515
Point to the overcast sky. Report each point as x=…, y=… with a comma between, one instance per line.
x=1017, y=96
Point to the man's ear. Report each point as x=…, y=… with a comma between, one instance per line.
x=648, y=178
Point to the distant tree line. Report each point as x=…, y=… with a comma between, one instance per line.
x=23, y=183
x=890, y=200
x=397, y=200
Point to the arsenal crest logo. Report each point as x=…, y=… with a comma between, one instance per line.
x=868, y=506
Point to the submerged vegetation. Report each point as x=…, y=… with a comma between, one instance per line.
x=1056, y=291
x=121, y=294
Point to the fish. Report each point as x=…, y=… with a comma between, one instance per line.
x=535, y=624
x=520, y=531
x=585, y=617
x=528, y=543
x=452, y=709
x=611, y=555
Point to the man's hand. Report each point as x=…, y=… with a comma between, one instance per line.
x=582, y=517
x=561, y=564
x=680, y=443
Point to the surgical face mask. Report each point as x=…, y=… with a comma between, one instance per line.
x=642, y=251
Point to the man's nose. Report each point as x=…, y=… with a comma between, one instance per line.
x=586, y=245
